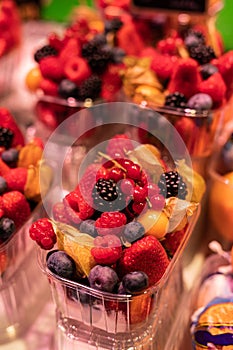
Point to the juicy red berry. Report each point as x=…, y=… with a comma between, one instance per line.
x=124, y=162
x=59, y=213
x=133, y=172
x=139, y=194
x=138, y=207
x=152, y=189
x=107, y=249
x=43, y=233
x=116, y=174
x=144, y=180
x=157, y=202
x=110, y=223
x=127, y=186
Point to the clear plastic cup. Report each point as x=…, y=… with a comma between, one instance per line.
x=87, y=318
x=221, y=189
x=23, y=289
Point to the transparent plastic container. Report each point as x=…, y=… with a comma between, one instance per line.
x=221, y=189
x=198, y=131
x=86, y=318
x=23, y=289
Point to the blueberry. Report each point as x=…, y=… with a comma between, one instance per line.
x=61, y=264
x=118, y=54
x=68, y=88
x=135, y=282
x=200, y=102
x=207, y=70
x=88, y=226
x=121, y=289
x=3, y=185
x=10, y=156
x=133, y=231
x=7, y=228
x=191, y=41
x=103, y=278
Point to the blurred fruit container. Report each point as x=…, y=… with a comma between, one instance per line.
x=10, y=38
x=23, y=290
x=221, y=185
x=85, y=316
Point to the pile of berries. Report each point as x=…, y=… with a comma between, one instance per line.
x=117, y=217
x=19, y=163
x=82, y=64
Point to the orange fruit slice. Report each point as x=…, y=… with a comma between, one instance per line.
x=155, y=223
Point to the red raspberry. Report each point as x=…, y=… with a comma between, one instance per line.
x=88, y=180
x=118, y=145
x=107, y=249
x=49, y=87
x=59, y=213
x=16, y=207
x=16, y=179
x=51, y=68
x=43, y=233
x=77, y=70
x=110, y=222
x=77, y=209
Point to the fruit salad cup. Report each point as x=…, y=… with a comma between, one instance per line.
x=221, y=185
x=21, y=294
x=112, y=246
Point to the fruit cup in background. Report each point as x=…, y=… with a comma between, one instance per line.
x=221, y=185
x=106, y=242
x=10, y=38
x=76, y=69
x=23, y=290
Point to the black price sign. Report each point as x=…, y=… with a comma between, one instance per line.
x=198, y=6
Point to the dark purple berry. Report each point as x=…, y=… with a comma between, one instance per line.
x=44, y=51
x=103, y=278
x=7, y=228
x=68, y=88
x=10, y=156
x=88, y=226
x=61, y=264
x=135, y=281
x=3, y=185
x=207, y=70
x=6, y=137
x=200, y=102
x=133, y=231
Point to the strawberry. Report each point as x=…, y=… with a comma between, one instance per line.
x=16, y=179
x=16, y=207
x=111, y=82
x=147, y=255
x=49, y=87
x=7, y=121
x=107, y=249
x=4, y=168
x=163, y=65
x=172, y=241
x=129, y=39
x=215, y=87
x=51, y=68
x=110, y=222
x=185, y=77
x=43, y=233
x=225, y=66
x=70, y=49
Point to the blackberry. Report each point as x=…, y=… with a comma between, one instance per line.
x=107, y=196
x=98, y=55
x=44, y=51
x=112, y=25
x=171, y=184
x=175, y=100
x=6, y=137
x=202, y=54
x=194, y=38
x=90, y=88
